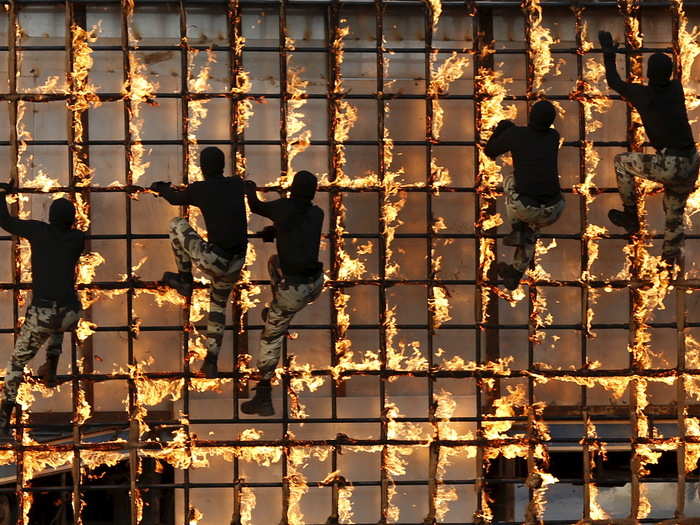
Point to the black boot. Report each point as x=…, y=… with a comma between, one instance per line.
x=182, y=283
x=626, y=219
x=511, y=276
x=261, y=404
x=6, y=408
x=209, y=367
x=264, y=313
x=47, y=371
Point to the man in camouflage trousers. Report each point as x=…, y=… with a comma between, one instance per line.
x=296, y=274
x=661, y=105
x=528, y=220
x=221, y=257
x=55, y=307
x=532, y=192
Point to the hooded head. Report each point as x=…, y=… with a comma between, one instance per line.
x=304, y=186
x=212, y=162
x=659, y=69
x=62, y=214
x=542, y=115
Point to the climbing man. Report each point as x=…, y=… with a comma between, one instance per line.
x=661, y=104
x=55, y=307
x=532, y=192
x=296, y=273
x=221, y=257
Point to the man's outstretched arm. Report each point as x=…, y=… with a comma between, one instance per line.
x=9, y=222
x=257, y=206
x=170, y=194
x=609, y=48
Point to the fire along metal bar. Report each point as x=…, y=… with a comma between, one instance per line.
x=185, y=211
x=585, y=291
x=134, y=438
x=13, y=66
x=237, y=153
x=681, y=319
x=434, y=450
x=382, y=305
x=77, y=129
x=335, y=219
x=532, y=513
x=630, y=11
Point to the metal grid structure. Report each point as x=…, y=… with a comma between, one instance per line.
x=506, y=423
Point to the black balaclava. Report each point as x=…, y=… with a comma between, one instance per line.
x=659, y=69
x=304, y=186
x=542, y=115
x=62, y=214
x=212, y=162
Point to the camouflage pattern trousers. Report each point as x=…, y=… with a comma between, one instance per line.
x=189, y=248
x=287, y=300
x=535, y=217
x=41, y=323
x=677, y=174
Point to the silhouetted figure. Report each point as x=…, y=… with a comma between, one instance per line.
x=55, y=307
x=221, y=257
x=295, y=272
x=661, y=104
x=532, y=192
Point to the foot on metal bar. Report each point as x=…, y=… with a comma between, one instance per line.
x=626, y=219
x=6, y=409
x=261, y=404
x=47, y=371
x=179, y=282
x=511, y=276
x=210, y=368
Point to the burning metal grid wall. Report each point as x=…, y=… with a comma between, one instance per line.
x=408, y=94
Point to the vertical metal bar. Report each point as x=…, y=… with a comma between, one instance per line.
x=434, y=451
x=384, y=480
x=335, y=203
x=532, y=289
x=284, y=157
x=134, y=431
x=75, y=153
x=630, y=10
x=13, y=73
x=585, y=290
x=185, y=98
x=681, y=317
x=240, y=340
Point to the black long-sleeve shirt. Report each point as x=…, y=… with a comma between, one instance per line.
x=223, y=208
x=662, y=108
x=55, y=254
x=535, y=155
x=299, y=227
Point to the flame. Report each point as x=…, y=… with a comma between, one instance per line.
x=298, y=138
x=540, y=40
x=83, y=96
x=453, y=68
x=197, y=110
x=136, y=90
x=440, y=306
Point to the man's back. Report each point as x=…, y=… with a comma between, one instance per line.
x=535, y=160
x=221, y=201
x=55, y=254
x=299, y=226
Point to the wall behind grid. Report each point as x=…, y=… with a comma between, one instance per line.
x=405, y=121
